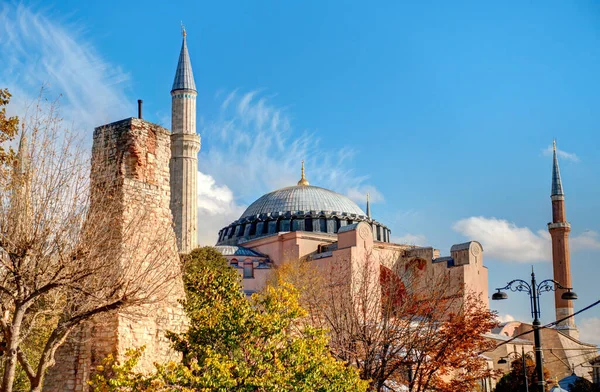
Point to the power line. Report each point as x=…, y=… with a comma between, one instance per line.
x=545, y=326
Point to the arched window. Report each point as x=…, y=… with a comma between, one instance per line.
x=308, y=224
x=323, y=224
x=234, y=263
x=241, y=230
x=248, y=269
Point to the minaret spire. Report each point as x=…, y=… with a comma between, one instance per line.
x=368, y=205
x=185, y=145
x=557, y=189
x=559, y=230
x=184, y=77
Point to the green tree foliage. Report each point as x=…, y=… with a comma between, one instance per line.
x=236, y=344
x=514, y=381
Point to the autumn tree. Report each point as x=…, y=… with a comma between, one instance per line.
x=59, y=241
x=514, y=381
x=238, y=344
x=399, y=327
x=8, y=128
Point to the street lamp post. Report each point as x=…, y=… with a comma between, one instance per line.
x=502, y=360
x=534, y=290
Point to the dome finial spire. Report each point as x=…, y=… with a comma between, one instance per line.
x=303, y=180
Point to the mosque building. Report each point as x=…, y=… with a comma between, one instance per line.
x=298, y=222
x=313, y=223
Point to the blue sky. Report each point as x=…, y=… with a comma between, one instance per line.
x=442, y=110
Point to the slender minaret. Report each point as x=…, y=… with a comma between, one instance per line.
x=368, y=205
x=185, y=144
x=559, y=231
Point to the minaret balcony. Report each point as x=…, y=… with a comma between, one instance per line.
x=559, y=225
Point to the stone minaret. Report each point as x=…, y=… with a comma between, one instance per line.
x=185, y=144
x=559, y=230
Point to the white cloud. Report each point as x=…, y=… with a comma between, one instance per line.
x=561, y=154
x=251, y=148
x=410, y=239
x=585, y=241
x=589, y=330
x=504, y=318
x=505, y=241
x=216, y=208
x=38, y=50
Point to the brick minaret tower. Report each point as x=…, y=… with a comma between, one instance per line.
x=185, y=144
x=559, y=230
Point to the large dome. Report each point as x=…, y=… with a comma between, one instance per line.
x=302, y=198
x=298, y=208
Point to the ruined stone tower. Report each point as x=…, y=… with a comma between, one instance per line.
x=185, y=144
x=130, y=182
x=559, y=230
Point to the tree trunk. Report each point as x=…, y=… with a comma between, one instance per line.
x=37, y=384
x=10, y=364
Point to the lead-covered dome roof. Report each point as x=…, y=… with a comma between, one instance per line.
x=298, y=208
x=302, y=198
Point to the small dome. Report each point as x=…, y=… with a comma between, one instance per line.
x=302, y=198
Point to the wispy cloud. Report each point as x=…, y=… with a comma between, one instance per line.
x=253, y=148
x=570, y=156
x=40, y=50
x=359, y=194
x=588, y=330
x=505, y=241
x=410, y=239
x=588, y=240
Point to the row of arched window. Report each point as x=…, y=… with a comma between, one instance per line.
x=321, y=224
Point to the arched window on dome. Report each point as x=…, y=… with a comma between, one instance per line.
x=308, y=223
x=248, y=269
x=323, y=224
x=278, y=225
x=337, y=224
x=241, y=230
x=252, y=228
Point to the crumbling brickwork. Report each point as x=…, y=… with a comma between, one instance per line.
x=130, y=165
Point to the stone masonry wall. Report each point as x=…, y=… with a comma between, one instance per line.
x=130, y=163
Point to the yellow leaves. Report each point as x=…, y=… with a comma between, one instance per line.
x=235, y=344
